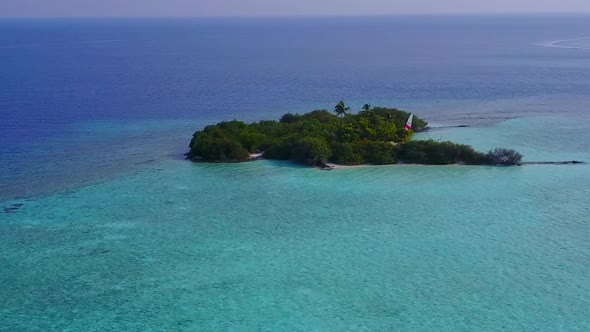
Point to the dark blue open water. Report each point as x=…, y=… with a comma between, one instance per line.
x=104, y=227
x=87, y=90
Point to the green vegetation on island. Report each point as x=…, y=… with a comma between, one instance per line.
x=375, y=135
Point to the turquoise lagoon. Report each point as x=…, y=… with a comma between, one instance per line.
x=274, y=246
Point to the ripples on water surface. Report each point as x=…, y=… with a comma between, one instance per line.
x=262, y=244
x=103, y=227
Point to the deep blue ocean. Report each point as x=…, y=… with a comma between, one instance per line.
x=104, y=226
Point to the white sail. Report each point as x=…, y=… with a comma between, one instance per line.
x=409, y=123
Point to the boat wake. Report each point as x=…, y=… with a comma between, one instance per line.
x=576, y=43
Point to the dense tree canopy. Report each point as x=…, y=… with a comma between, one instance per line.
x=373, y=136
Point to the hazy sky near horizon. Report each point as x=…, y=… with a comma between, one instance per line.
x=19, y=8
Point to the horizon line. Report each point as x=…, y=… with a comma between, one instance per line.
x=415, y=14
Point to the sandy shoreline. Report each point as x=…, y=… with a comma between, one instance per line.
x=256, y=156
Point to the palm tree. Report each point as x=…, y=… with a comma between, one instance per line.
x=366, y=110
x=341, y=109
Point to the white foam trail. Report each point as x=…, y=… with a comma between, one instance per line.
x=558, y=44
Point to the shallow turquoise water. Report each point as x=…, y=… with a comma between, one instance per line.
x=272, y=246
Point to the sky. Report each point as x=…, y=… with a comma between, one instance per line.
x=60, y=8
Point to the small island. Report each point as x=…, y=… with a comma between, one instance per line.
x=375, y=135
